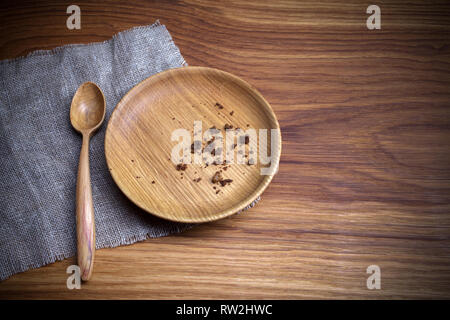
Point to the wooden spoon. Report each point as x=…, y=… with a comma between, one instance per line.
x=86, y=115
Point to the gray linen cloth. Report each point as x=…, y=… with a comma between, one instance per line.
x=39, y=149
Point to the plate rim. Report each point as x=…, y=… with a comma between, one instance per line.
x=242, y=204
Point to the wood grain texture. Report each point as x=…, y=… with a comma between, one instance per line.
x=212, y=171
x=364, y=172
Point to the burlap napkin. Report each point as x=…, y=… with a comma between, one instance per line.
x=39, y=150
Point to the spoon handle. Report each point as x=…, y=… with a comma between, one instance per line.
x=85, y=214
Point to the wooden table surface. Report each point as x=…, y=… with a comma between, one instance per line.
x=365, y=168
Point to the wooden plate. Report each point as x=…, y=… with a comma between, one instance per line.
x=138, y=143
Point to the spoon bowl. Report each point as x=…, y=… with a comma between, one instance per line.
x=87, y=113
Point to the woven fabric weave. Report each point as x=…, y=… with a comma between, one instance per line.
x=39, y=149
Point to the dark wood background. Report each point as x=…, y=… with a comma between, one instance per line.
x=365, y=169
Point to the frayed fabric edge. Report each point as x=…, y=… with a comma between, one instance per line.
x=75, y=45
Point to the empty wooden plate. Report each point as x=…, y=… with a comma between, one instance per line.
x=138, y=143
